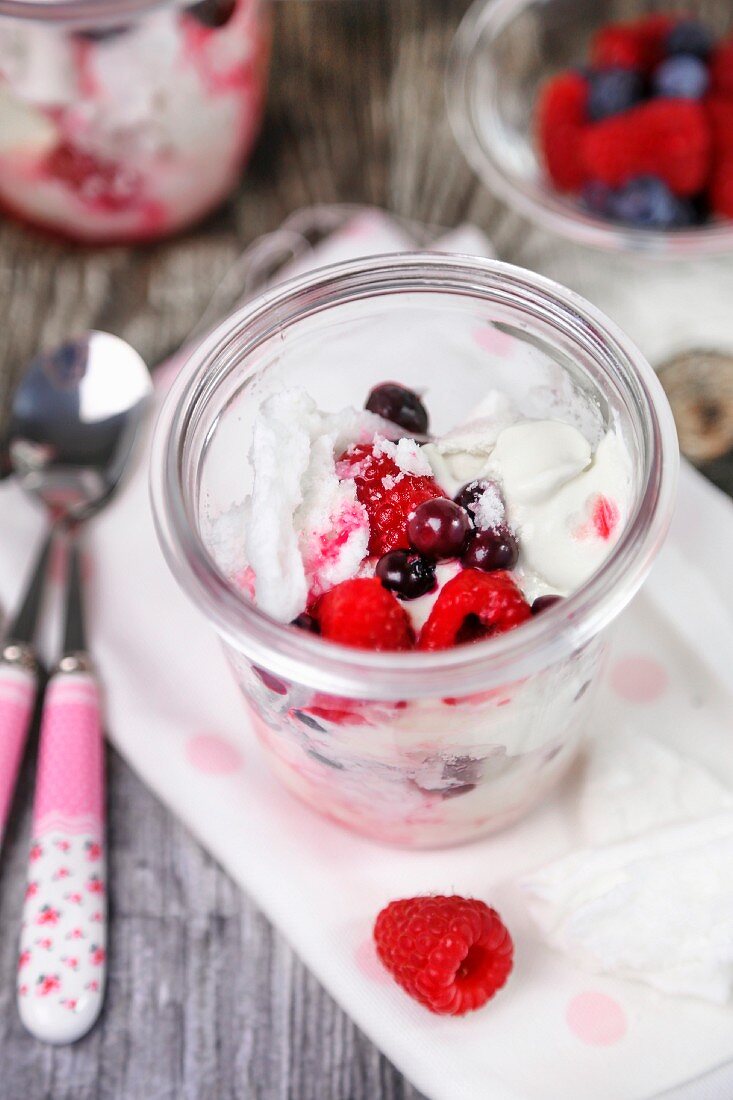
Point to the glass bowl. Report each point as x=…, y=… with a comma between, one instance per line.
x=129, y=119
x=666, y=289
x=413, y=748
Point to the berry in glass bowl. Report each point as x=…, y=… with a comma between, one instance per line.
x=643, y=133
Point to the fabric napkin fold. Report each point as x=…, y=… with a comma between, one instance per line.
x=174, y=712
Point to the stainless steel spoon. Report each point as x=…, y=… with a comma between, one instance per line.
x=74, y=420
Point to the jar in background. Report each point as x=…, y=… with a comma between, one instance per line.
x=127, y=120
x=418, y=749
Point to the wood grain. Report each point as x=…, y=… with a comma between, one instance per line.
x=205, y=1000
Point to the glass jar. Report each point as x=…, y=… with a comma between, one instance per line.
x=127, y=120
x=668, y=290
x=417, y=749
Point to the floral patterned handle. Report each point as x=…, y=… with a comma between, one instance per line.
x=17, y=696
x=61, y=969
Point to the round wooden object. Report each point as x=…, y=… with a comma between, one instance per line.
x=699, y=385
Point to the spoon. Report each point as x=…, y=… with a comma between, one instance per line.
x=74, y=420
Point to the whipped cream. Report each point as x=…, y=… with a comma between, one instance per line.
x=566, y=503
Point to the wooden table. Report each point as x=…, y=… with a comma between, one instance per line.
x=205, y=1000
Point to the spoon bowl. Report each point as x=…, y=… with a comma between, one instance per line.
x=74, y=420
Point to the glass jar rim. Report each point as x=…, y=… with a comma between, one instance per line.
x=81, y=12
x=338, y=670
x=488, y=18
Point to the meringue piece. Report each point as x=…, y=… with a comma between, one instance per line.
x=227, y=542
x=332, y=526
x=633, y=783
x=24, y=130
x=406, y=454
x=537, y=457
x=304, y=529
x=656, y=909
x=37, y=63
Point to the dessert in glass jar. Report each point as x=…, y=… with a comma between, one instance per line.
x=129, y=120
x=415, y=595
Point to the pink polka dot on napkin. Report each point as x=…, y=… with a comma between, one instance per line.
x=596, y=1019
x=212, y=754
x=638, y=679
x=368, y=962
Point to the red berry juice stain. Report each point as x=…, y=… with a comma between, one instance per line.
x=605, y=517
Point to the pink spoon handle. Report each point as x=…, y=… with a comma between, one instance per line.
x=61, y=970
x=17, y=696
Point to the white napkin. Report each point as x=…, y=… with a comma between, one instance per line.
x=174, y=712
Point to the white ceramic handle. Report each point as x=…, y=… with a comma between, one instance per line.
x=62, y=964
x=17, y=696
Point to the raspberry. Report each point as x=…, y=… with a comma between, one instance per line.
x=721, y=188
x=561, y=122
x=720, y=195
x=368, y=469
x=451, y=954
x=388, y=494
x=103, y=184
x=668, y=138
x=471, y=606
x=636, y=45
x=362, y=613
x=720, y=114
x=389, y=519
x=653, y=32
x=617, y=46
x=721, y=69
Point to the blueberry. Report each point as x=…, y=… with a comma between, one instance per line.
x=543, y=602
x=469, y=496
x=690, y=36
x=407, y=575
x=647, y=203
x=213, y=13
x=681, y=77
x=597, y=198
x=306, y=622
x=612, y=91
x=495, y=548
x=439, y=528
x=400, y=405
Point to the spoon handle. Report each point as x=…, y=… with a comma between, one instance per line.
x=17, y=696
x=62, y=965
